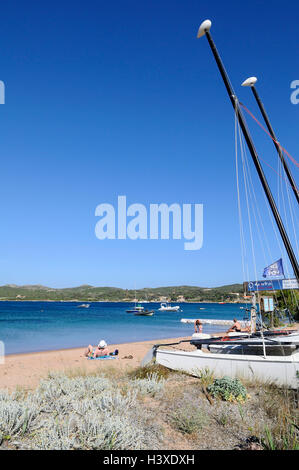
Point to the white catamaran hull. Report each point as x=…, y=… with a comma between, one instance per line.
x=280, y=370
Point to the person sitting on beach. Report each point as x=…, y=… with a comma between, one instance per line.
x=100, y=350
x=197, y=326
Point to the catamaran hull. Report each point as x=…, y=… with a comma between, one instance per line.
x=272, y=369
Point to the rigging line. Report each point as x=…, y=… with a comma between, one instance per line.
x=239, y=203
x=279, y=245
x=291, y=209
x=293, y=295
x=243, y=237
x=287, y=224
x=247, y=201
x=258, y=225
x=258, y=122
x=248, y=172
x=284, y=207
x=278, y=173
x=279, y=168
x=255, y=210
x=247, y=188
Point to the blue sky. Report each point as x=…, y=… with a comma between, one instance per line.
x=120, y=98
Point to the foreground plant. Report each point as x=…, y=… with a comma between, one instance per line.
x=151, y=385
x=78, y=413
x=228, y=389
x=188, y=419
x=288, y=440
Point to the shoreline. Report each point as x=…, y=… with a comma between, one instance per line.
x=25, y=370
x=76, y=348
x=123, y=301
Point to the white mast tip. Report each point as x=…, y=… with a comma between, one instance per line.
x=251, y=81
x=205, y=26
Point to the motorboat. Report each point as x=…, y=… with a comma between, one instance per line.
x=166, y=307
x=145, y=313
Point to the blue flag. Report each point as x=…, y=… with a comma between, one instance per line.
x=274, y=270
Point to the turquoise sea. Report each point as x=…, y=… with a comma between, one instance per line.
x=40, y=326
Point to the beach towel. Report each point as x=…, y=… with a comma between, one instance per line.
x=102, y=357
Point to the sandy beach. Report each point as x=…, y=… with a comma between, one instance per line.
x=26, y=370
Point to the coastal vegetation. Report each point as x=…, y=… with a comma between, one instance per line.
x=148, y=408
x=88, y=293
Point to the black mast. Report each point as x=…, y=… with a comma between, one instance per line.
x=204, y=29
x=251, y=82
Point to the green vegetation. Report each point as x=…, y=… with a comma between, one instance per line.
x=188, y=420
x=147, y=408
x=113, y=294
x=228, y=389
x=289, y=299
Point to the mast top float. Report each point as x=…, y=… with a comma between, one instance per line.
x=205, y=26
x=251, y=81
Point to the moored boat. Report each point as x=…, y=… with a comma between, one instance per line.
x=145, y=313
x=280, y=369
x=166, y=307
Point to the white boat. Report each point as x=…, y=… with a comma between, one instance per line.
x=166, y=307
x=282, y=370
x=84, y=306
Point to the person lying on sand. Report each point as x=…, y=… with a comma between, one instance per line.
x=100, y=350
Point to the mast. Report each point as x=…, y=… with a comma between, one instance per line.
x=204, y=29
x=250, y=82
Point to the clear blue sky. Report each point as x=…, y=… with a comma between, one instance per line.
x=112, y=98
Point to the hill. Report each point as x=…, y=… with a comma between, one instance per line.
x=88, y=293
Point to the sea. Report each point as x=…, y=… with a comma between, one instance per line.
x=41, y=326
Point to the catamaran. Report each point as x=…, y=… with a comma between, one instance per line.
x=269, y=356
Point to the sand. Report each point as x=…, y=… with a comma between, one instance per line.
x=26, y=370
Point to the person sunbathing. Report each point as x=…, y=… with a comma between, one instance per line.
x=237, y=327
x=100, y=350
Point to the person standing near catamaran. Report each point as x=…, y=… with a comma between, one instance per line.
x=198, y=326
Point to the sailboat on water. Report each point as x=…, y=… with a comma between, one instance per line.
x=265, y=355
x=139, y=309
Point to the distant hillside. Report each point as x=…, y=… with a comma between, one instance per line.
x=89, y=293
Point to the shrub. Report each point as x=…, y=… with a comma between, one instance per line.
x=151, y=385
x=188, y=419
x=143, y=372
x=288, y=440
x=228, y=389
x=79, y=413
x=16, y=418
